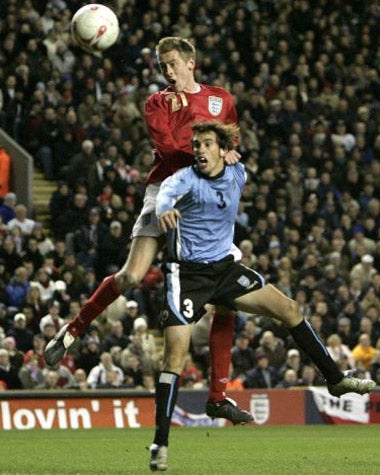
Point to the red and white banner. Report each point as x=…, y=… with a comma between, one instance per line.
x=349, y=408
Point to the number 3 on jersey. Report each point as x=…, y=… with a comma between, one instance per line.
x=188, y=311
x=222, y=204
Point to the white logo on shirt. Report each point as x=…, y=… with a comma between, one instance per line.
x=215, y=105
x=245, y=282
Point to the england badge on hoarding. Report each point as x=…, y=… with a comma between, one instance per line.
x=260, y=408
x=215, y=105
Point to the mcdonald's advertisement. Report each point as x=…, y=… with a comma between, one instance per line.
x=129, y=410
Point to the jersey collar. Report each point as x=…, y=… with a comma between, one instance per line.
x=220, y=174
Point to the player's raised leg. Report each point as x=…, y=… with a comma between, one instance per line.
x=141, y=255
x=271, y=302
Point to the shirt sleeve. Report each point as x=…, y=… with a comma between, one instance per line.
x=172, y=189
x=232, y=117
x=240, y=174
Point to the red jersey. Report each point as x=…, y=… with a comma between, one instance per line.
x=170, y=115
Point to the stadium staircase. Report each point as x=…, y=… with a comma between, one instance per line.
x=42, y=191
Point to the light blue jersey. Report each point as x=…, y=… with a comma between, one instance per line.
x=208, y=208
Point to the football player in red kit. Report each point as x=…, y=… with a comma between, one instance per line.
x=169, y=115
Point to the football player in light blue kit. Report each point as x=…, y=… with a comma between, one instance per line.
x=197, y=207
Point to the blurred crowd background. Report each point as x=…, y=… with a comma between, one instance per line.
x=305, y=76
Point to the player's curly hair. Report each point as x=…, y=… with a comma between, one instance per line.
x=170, y=43
x=228, y=134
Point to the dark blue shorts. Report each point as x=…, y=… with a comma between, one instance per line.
x=189, y=286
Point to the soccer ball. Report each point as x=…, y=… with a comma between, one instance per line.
x=94, y=27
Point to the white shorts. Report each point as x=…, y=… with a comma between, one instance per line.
x=147, y=224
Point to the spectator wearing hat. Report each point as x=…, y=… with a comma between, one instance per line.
x=364, y=270
x=140, y=327
x=8, y=373
x=263, y=375
x=7, y=208
x=293, y=361
x=130, y=315
x=22, y=335
x=62, y=297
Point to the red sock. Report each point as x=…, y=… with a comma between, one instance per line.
x=221, y=337
x=105, y=294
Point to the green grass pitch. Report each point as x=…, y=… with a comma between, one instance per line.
x=285, y=450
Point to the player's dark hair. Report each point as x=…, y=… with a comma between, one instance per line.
x=227, y=134
x=170, y=43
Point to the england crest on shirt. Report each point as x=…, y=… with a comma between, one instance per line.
x=215, y=105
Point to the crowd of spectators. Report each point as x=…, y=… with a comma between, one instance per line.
x=305, y=76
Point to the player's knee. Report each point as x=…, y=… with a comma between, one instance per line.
x=127, y=279
x=291, y=313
